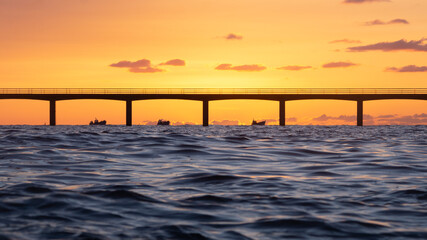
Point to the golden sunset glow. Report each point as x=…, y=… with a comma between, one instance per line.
x=218, y=44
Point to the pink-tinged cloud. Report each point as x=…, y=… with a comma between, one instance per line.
x=233, y=36
x=339, y=65
x=416, y=119
x=385, y=116
x=184, y=123
x=345, y=41
x=294, y=68
x=242, y=68
x=226, y=122
x=398, y=21
x=174, y=62
x=140, y=66
x=379, y=22
x=400, y=45
x=364, y=1
x=409, y=68
x=292, y=119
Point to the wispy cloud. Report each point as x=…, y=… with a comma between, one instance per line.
x=395, y=119
x=243, y=68
x=416, y=119
x=140, y=66
x=233, y=36
x=345, y=41
x=339, y=65
x=225, y=122
x=400, y=45
x=174, y=62
x=364, y=1
x=409, y=68
x=294, y=68
x=379, y=22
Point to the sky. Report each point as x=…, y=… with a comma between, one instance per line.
x=213, y=44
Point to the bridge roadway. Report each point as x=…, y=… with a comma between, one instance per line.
x=213, y=94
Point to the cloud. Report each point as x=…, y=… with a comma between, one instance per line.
x=174, y=62
x=294, y=68
x=409, y=68
x=339, y=65
x=416, y=119
x=398, y=21
x=244, y=68
x=233, y=36
x=364, y=1
x=226, y=122
x=183, y=123
x=393, y=46
x=140, y=66
x=291, y=119
x=379, y=22
x=345, y=41
x=386, y=116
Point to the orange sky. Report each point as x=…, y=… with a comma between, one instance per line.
x=51, y=43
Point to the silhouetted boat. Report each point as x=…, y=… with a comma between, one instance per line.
x=163, y=122
x=96, y=122
x=258, y=123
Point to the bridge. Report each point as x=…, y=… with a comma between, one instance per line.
x=205, y=95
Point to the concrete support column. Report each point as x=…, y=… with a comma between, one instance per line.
x=205, y=113
x=129, y=113
x=52, y=112
x=359, y=113
x=282, y=113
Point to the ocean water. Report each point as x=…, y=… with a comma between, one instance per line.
x=219, y=182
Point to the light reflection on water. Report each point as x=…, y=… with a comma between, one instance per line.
x=231, y=182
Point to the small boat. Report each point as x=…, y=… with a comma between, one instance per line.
x=258, y=123
x=163, y=122
x=96, y=122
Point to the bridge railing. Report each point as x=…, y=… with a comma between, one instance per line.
x=213, y=91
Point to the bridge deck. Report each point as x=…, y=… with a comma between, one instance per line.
x=204, y=91
x=210, y=94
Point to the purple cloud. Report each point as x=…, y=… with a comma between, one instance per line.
x=345, y=41
x=225, y=122
x=364, y=1
x=243, y=68
x=409, y=68
x=140, y=66
x=416, y=119
x=398, y=21
x=294, y=68
x=400, y=45
x=379, y=22
x=233, y=36
x=174, y=62
x=339, y=65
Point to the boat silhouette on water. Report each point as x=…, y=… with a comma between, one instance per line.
x=261, y=123
x=96, y=122
x=162, y=122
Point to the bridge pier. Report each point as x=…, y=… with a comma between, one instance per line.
x=128, y=112
x=359, y=113
x=205, y=113
x=52, y=112
x=282, y=113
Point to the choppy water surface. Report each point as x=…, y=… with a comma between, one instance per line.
x=190, y=182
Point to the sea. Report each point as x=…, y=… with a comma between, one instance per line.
x=216, y=182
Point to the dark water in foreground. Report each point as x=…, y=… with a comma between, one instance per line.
x=190, y=182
